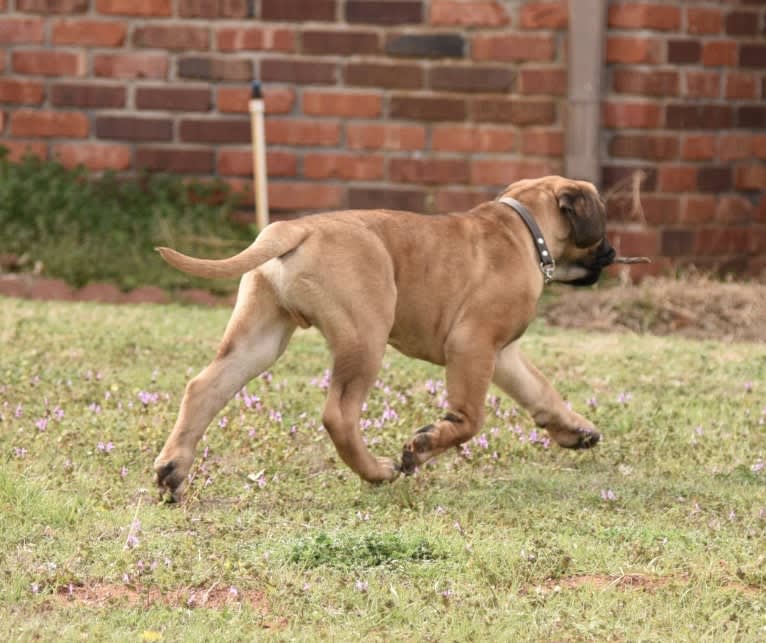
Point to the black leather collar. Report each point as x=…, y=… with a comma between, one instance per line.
x=547, y=263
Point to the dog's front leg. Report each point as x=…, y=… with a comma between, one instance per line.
x=470, y=364
x=522, y=381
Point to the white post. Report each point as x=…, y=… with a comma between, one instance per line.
x=258, y=136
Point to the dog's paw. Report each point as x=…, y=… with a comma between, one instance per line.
x=170, y=479
x=577, y=439
x=418, y=450
x=390, y=469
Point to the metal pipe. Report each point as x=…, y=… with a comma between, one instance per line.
x=587, y=32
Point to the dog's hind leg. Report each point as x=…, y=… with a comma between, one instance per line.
x=469, y=370
x=355, y=366
x=256, y=335
x=522, y=381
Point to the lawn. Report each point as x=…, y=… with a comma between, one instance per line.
x=657, y=534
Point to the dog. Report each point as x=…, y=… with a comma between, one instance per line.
x=457, y=290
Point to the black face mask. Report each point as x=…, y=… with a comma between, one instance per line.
x=603, y=257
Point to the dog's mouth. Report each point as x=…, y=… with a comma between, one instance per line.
x=587, y=271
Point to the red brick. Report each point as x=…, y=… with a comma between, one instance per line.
x=677, y=178
x=613, y=175
x=94, y=156
x=21, y=31
x=304, y=196
x=87, y=95
x=703, y=84
x=378, y=136
x=131, y=65
x=384, y=76
x=213, y=9
x=434, y=171
x=741, y=85
x=734, y=208
x=502, y=172
x=345, y=104
x=298, y=10
x=515, y=110
x=386, y=12
x=697, y=209
x=471, y=78
x=343, y=166
x=751, y=177
x=543, y=142
x=239, y=162
x=636, y=242
x=683, y=52
x=149, y=8
x=647, y=83
x=637, y=15
x=513, y=47
x=52, y=6
x=130, y=128
x=631, y=115
x=548, y=81
x=49, y=63
x=49, y=124
x=677, y=242
x=759, y=146
x=411, y=199
x=255, y=38
x=17, y=150
x=216, y=130
x=23, y=92
x=214, y=68
x=544, y=15
x=462, y=199
x=703, y=21
x=734, y=147
x=703, y=116
x=449, y=13
x=175, y=160
x=719, y=241
x=278, y=100
x=653, y=148
x=304, y=72
x=428, y=108
x=310, y=132
x=715, y=178
x=2, y=122
x=182, y=99
x=660, y=210
x=742, y=23
x=472, y=138
x=339, y=42
x=698, y=147
x=719, y=53
x=175, y=37
x=89, y=33
x=632, y=49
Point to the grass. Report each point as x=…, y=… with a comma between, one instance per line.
x=83, y=229
x=658, y=534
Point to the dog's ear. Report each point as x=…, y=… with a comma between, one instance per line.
x=585, y=213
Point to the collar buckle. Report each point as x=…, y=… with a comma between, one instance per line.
x=548, y=269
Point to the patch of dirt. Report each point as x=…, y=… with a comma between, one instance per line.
x=214, y=597
x=627, y=582
x=695, y=306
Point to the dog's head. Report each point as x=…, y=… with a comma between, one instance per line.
x=586, y=251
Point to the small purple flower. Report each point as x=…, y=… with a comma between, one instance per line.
x=748, y=387
x=35, y=588
x=465, y=451
x=482, y=441
x=146, y=398
x=361, y=585
x=266, y=376
x=223, y=422
x=607, y=495
x=592, y=402
x=58, y=413
x=19, y=411
x=233, y=592
x=123, y=472
x=131, y=542
x=105, y=447
x=41, y=424
x=94, y=408
x=624, y=397
x=275, y=416
x=19, y=452
x=447, y=594
x=759, y=465
x=261, y=481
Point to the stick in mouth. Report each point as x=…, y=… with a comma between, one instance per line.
x=632, y=260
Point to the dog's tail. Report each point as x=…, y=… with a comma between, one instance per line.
x=276, y=240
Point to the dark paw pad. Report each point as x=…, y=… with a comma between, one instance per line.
x=586, y=440
x=409, y=462
x=168, y=478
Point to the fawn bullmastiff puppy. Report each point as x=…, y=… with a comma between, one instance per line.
x=457, y=290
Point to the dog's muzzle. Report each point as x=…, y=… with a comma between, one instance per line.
x=602, y=257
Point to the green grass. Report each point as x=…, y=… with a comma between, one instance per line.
x=82, y=228
x=515, y=542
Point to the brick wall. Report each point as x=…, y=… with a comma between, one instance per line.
x=685, y=101
x=430, y=105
